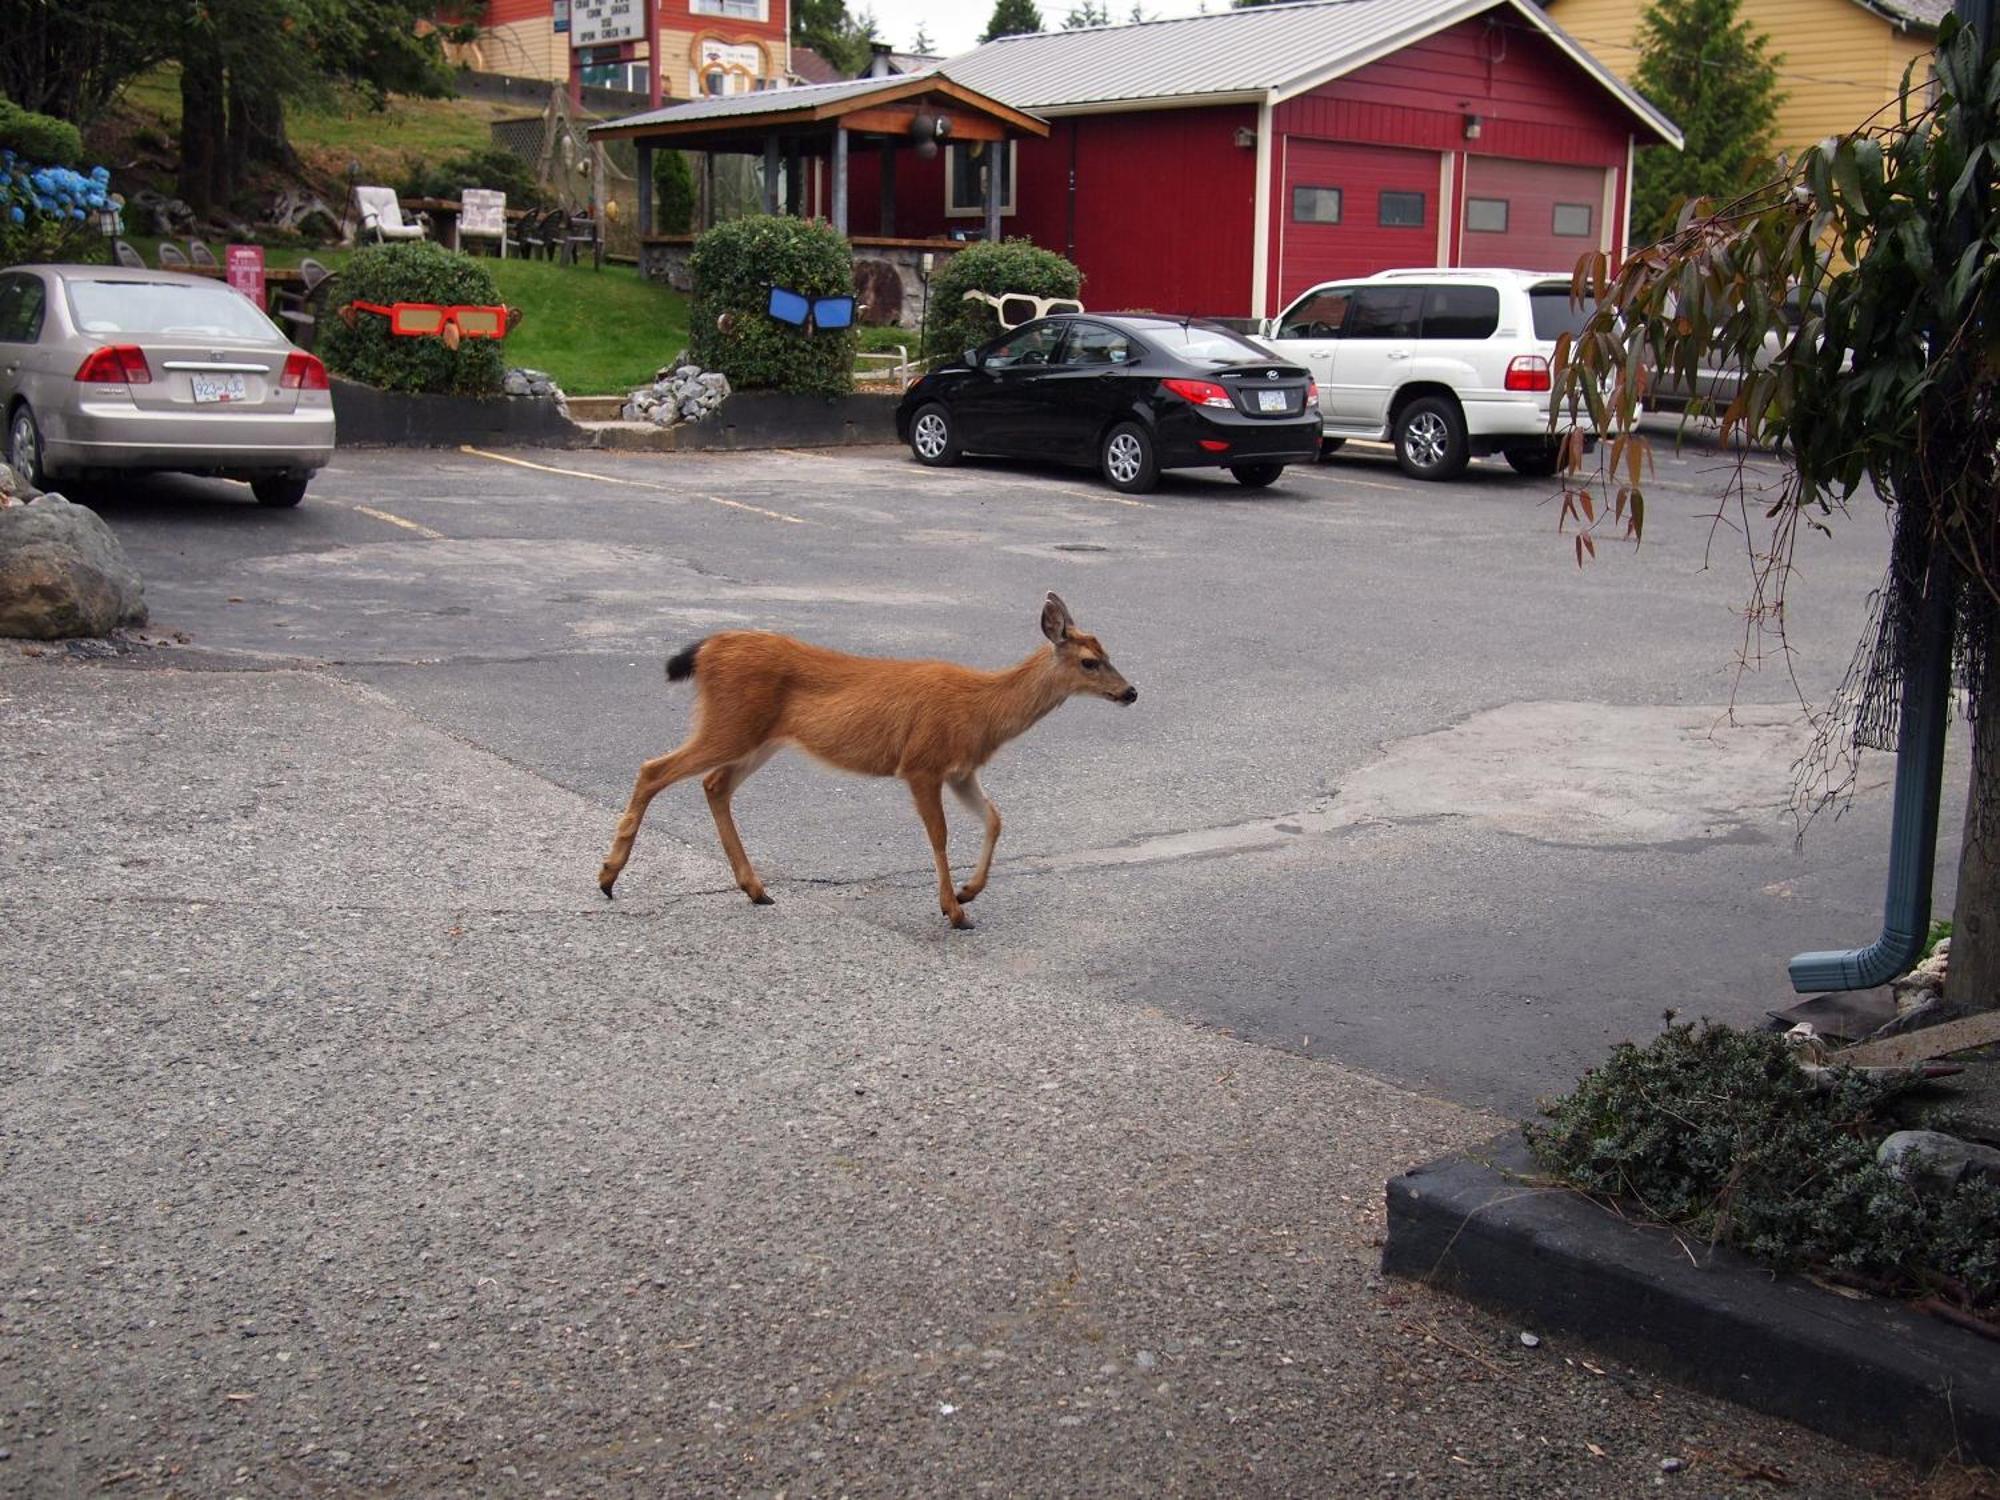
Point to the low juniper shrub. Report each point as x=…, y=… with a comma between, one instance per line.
x=1721, y=1133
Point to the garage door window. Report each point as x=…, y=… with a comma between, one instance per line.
x=1385, y=312
x=1486, y=215
x=1402, y=211
x=1573, y=220
x=1316, y=205
x=1461, y=312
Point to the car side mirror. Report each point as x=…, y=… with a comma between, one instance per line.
x=975, y=360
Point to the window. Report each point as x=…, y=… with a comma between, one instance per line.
x=965, y=178
x=1316, y=205
x=1094, y=344
x=1317, y=316
x=1486, y=215
x=736, y=10
x=1461, y=312
x=1386, y=312
x=1555, y=313
x=1573, y=220
x=1034, y=345
x=159, y=307
x=1201, y=343
x=22, y=301
x=1402, y=211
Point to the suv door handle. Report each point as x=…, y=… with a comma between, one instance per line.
x=1397, y=354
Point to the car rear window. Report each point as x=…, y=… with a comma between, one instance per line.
x=1205, y=345
x=156, y=307
x=1555, y=313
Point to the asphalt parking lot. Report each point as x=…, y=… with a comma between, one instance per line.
x=1405, y=787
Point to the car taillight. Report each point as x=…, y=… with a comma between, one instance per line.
x=1199, y=392
x=115, y=364
x=302, y=372
x=1528, y=372
x=1312, y=393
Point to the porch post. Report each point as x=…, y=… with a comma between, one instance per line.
x=707, y=220
x=839, y=177
x=771, y=173
x=645, y=149
x=888, y=187
x=995, y=155
x=795, y=188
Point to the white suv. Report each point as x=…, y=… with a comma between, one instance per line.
x=1446, y=364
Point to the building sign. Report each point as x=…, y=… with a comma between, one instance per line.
x=562, y=15
x=598, y=22
x=725, y=67
x=243, y=266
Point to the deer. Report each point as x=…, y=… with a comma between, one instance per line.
x=933, y=724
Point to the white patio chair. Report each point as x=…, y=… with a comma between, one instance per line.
x=482, y=215
x=382, y=216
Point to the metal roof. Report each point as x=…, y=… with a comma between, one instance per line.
x=1264, y=54
x=758, y=102
x=1928, y=14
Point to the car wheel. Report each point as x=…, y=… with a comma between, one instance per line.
x=933, y=438
x=24, y=447
x=1127, y=459
x=1330, y=446
x=1538, y=462
x=279, y=491
x=1257, y=476
x=1430, y=439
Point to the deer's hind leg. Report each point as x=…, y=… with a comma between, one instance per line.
x=930, y=807
x=704, y=750
x=721, y=785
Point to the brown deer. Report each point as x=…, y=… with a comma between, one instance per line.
x=933, y=723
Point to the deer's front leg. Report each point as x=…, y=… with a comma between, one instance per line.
x=968, y=791
x=928, y=790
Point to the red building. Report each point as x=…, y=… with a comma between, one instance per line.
x=1220, y=164
x=707, y=47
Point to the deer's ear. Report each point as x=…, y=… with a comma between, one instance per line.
x=1055, y=618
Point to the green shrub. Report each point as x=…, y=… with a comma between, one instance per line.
x=734, y=266
x=42, y=139
x=952, y=324
x=418, y=271
x=492, y=167
x=673, y=192
x=1721, y=1133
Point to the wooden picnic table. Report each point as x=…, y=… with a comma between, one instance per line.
x=448, y=210
x=289, y=278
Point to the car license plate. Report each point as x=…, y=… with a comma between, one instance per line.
x=1273, y=401
x=211, y=388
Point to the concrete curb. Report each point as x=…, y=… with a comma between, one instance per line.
x=1872, y=1373
x=368, y=418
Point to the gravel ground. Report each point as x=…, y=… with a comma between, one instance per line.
x=353, y=1145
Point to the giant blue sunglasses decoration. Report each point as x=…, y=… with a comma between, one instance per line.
x=811, y=313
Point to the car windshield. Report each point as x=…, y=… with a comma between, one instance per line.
x=1555, y=313
x=156, y=307
x=1203, y=345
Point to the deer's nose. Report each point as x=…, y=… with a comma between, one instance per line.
x=1130, y=695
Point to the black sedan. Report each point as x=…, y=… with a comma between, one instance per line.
x=1129, y=395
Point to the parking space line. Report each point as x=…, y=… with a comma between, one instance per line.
x=637, y=484
x=1107, y=499
x=382, y=515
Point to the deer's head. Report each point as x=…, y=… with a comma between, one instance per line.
x=1080, y=662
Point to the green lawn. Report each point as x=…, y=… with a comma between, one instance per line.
x=598, y=333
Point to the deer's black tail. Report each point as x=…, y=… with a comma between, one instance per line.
x=680, y=666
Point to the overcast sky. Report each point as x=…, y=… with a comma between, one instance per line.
x=954, y=25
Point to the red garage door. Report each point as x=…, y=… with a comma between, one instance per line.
x=1535, y=215
x=1348, y=210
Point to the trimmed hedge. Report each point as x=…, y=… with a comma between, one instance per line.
x=734, y=266
x=1016, y=265
x=42, y=139
x=418, y=271
x=494, y=167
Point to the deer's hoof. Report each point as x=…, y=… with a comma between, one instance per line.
x=961, y=921
x=604, y=888
x=966, y=893
x=761, y=898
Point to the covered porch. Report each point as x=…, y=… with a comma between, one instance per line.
x=806, y=139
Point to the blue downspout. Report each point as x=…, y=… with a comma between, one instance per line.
x=1913, y=826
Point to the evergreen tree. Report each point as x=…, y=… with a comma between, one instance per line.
x=673, y=193
x=1702, y=65
x=1012, y=18
x=1089, y=13
x=921, y=43
x=827, y=28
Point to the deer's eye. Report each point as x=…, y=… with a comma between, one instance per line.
x=1091, y=663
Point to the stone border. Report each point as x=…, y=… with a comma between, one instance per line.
x=1872, y=1373
x=368, y=418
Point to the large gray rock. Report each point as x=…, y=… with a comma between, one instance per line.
x=14, y=490
x=1933, y=1162
x=62, y=573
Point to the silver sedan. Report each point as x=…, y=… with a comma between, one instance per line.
x=110, y=370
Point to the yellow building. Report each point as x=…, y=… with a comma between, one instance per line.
x=1839, y=61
